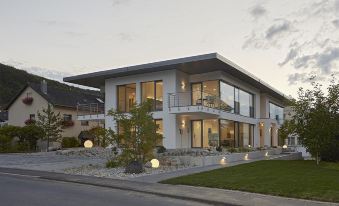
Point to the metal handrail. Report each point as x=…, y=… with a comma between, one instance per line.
x=182, y=99
x=90, y=109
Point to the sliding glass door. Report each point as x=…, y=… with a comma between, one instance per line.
x=196, y=133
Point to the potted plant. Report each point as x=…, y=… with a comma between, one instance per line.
x=27, y=100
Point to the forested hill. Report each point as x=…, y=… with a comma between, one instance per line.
x=12, y=80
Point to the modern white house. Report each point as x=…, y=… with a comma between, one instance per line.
x=199, y=101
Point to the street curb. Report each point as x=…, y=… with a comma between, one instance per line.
x=217, y=203
x=78, y=179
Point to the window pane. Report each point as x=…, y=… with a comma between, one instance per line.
x=130, y=96
x=236, y=100
x=160, y=129
x=159, y=95
x=276, y=113
x=210, y=93
x=227, y=97
x=126, y=97
x=211, y=133
x=227, y=133
x=244, y=100
x=196, y=133
x=121, y=98
x=244, y=134
x=147, y=91
x=196, y=94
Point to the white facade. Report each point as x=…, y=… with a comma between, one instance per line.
x=173, y=82
x=177, y=120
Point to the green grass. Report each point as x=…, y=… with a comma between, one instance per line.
x=298, y=179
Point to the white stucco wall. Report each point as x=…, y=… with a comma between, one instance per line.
x=176, y=81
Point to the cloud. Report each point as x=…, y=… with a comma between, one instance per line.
x=119, y=2
x=304, y=78
x=323, y=61
x=278, y=28
x=336, y=23
x=258, y=11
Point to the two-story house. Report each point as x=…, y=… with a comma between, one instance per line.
x=199, y=101
x=33, y=98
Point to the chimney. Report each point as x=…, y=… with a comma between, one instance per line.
x=44, y=86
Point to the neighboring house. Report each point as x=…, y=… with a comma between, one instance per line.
x=199, y=101
x=32, y=98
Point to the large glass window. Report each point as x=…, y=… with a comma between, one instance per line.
x=211, y=133
x=227, y=133
x=205, y=93
x=153, y=91
x=197, y=133
x=245, y=134
x=227, y=97
x=126, y=97
x=276, y=112
x=245, y=103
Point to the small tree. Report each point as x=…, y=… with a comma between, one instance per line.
x=137, y=133
x=51, y=124
x=316, y=119
x=101, y=136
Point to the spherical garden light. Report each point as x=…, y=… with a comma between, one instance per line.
x=155, y=163
x=88, y=144
x=223, y=161
x=285, y=147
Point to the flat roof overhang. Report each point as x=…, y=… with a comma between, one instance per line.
x=190, y=65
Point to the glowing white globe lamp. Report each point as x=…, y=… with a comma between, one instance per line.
x=285, y=147
x=88, y=144
x=155, y=163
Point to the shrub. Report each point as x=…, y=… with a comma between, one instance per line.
x=10, y=131
x=161, y=149
x=29, y=136
x=113, y=163
x=5, y=143
x=219, y=148
x=134, y=167
x=69, y=142
x=232, y=149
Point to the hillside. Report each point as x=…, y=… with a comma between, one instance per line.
x=12, y=80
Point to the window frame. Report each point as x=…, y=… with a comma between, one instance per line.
x=154, y=106
x=118, y=93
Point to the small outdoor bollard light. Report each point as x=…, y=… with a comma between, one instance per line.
x=223, y=161
x=285, y=147
x=246, y=157
x=155, y=163
x=88, y=144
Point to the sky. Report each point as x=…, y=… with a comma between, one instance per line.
x=284, y=43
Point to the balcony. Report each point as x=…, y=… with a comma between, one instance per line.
x=196, y=101
x=92, y=111
x=206, y=105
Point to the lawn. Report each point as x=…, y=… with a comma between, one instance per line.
x=298, y=179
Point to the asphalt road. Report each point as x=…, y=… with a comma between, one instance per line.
x=21, y=190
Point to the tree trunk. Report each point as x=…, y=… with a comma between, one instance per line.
x=318, y=158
